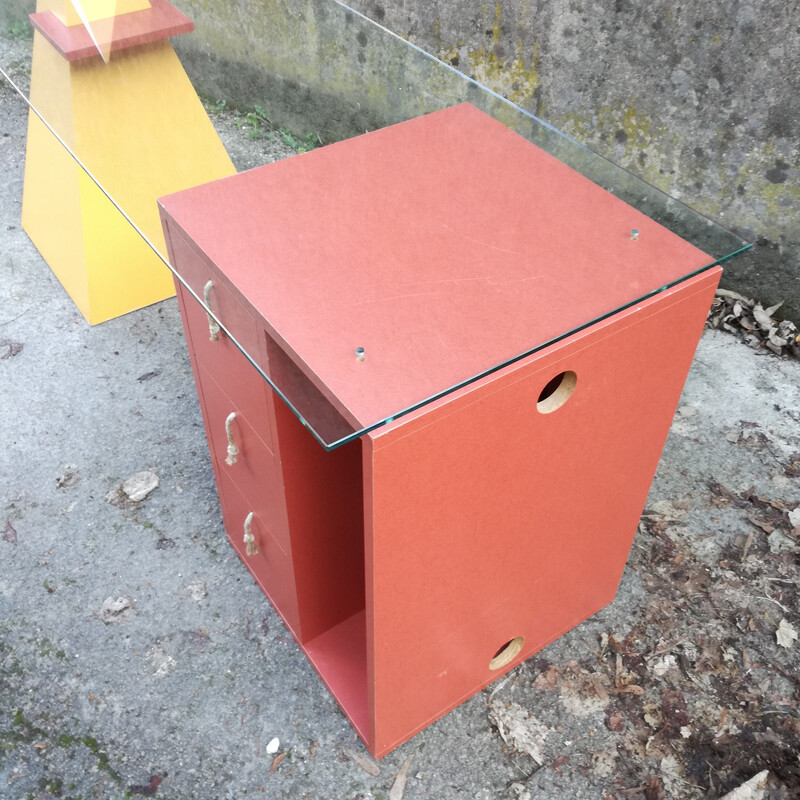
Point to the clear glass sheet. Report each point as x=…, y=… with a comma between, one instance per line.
x=343, y=75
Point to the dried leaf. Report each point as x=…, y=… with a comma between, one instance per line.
x=603, y=763
x=786, y=634
x=520, y=730
x=367, y=764
x=651, y=715
x=763, y=319
x=399, y=786
x=654, y=790
x=779, y=542
x=599, y=689
x=772, y=309
x=276, y=761
x=672, y=776
x=748, y=542
x=9, y=533
x=673, y=709
x=664, y=665
x=69, y=478
x=669, y=509
x=765, y=526
x=632, y=688
x=148, y=788
x=722, y=496
x=547, y=680
x=615, y=722
x=727, y=293
x=200, y=638
x=751, y=340
x=792, y=469
x=754, y=789
x=12, y=348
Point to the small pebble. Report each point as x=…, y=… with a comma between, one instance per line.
x=139, y=485
x=197, y=590
x=116, y=609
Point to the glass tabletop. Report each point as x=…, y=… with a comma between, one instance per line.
x=423, y=233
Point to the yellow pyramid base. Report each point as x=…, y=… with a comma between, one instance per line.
x=140, y=129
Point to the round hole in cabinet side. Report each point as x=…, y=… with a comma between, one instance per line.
x=556, y=392
x=507, y=653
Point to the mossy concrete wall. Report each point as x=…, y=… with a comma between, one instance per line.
x=699, y=99
x=13, y=13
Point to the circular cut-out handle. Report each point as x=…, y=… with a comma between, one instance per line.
x=556, y=392
x=507, y=653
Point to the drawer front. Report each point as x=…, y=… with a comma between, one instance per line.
x=222, y=360
x=208, y=285
x=240, y=453
x=270, y=566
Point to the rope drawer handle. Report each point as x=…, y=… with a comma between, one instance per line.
x=233, y=450
x=249, y=539
x=213, y=328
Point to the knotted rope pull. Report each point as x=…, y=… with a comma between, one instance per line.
x=213, y=328
x=233, y=450
x=249, y=539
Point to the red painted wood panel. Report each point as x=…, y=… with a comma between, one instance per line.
x=255, y=469
x=250, y=393
x=231, y=311
x=270, y=566
x=490, y=520
x=443, y=245
x=340, y=657
x=325, y=511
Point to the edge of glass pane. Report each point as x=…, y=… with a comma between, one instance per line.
x=655, y=203
x=691, y=225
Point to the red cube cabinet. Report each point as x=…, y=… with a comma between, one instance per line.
x=443, y=503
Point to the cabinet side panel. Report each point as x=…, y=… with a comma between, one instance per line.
x=495, y=524
x=326, y=524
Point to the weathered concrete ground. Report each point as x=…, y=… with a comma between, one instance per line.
x=684, y=687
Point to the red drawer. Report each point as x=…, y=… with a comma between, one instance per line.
x=223, y=361
x=254, y=469
x=270, y=566
x=207, y=284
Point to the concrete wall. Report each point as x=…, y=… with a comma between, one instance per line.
x=699, y=99
x=14, y=11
